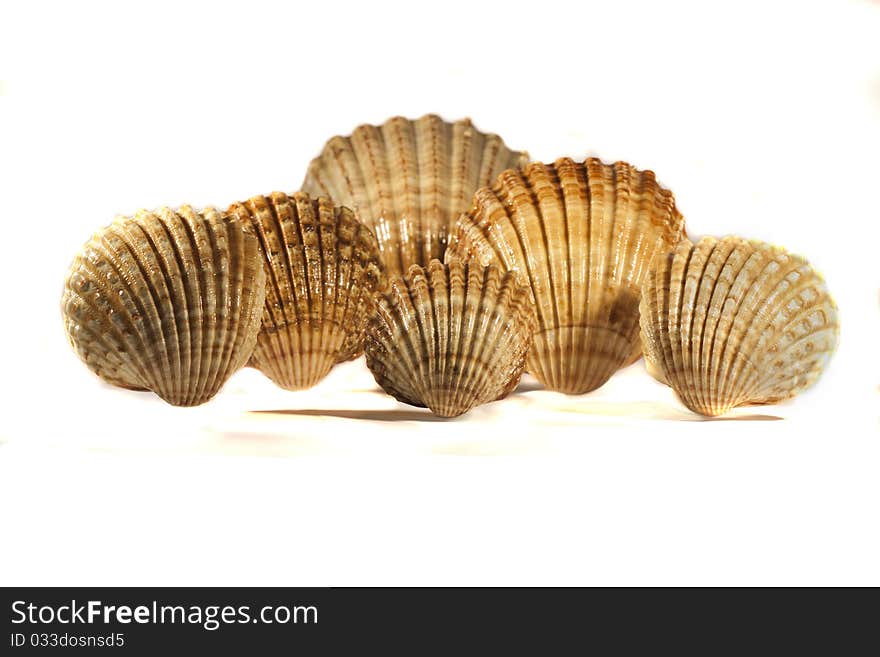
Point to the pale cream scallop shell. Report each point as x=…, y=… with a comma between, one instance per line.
x=583, y=235
x=451, y=337
x=733, y=322
x=167, y=301
x=408, y=180
x=323, y=269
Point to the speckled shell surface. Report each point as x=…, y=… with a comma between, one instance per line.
x=733, y=322
x=408, y=180
x=451, y=337
x=167, y=301
x=582, y=235
x=322, y=268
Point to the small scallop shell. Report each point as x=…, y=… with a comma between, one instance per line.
x=408, y=180
x=451, y=337
x=732, y=322
x=323, y=268
x=583, y=235
x=167, y=301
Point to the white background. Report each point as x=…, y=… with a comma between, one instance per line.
x=762, y=117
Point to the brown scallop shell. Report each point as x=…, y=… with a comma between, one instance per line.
x=583, y=235
x=408, y=180
x=733, y=322
x=322, y=269
x=167, y=301
x=451, y=337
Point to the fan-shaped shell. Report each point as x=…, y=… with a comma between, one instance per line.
x=167, y=301
x=733, y=322
x=583, y=235
x=323, y=268
x=408, y=180
x=451, y=337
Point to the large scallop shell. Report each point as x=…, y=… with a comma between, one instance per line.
x=167, y=301
x=583, y=235
x=408, y=180
x=323, y=268
x=451, y=337
x=733, y=322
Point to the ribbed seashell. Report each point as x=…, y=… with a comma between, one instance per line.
x=167, y=301
x=733, y=322
x=323, y=268
x=408, y=180
x=583, y=235
x=451, y=337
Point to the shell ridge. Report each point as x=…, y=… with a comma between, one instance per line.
x=110, y=337
x=698, y=370
x=235, y=239
x=385, y=331
x=475, y=294
x=194, y=279
x=171, y=326
x=662, y=281
x=547, y=179
x=581, y=366
x=499, y=334
x=439, y=343
x=328, y=226
x=519, y=231
x=729, y=368
x=149, y=370
x=217, y=328
x=438, y=285
x=727, y=300
x=184, y=337
x=379, y=201
x=697, y=260
x=715, y=297
x=279, y=222
x=402, y=157
x=463, y=162
x=306, y=365
x=274, y=318
x=750, y=313
x=348, y=276
x=323, y=285
x=415, y=292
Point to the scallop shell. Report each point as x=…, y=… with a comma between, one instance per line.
x=167, y=301
x=583, y=235
x=733, y=322
x=408, y=180
x=323, y=268
x=451, y=337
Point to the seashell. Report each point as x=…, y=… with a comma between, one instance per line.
x=408, y=180
x=583, y=235
x=451, y=337
x=322, y=268
x=733, y=322
x=167, y=301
